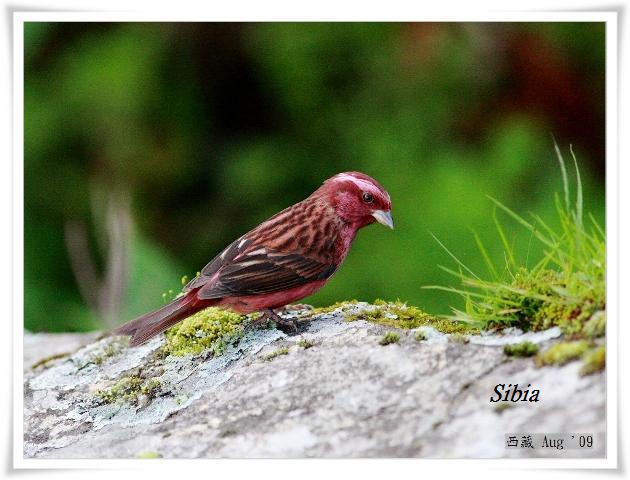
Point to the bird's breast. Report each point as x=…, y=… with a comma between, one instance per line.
x=253, y=303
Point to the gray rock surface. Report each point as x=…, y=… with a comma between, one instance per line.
x=345, y=396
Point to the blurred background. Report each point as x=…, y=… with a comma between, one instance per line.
x=149, y=147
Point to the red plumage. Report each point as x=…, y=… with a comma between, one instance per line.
x=282, y=260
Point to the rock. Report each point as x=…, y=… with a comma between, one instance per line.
x=329, y=391
x=39, y=347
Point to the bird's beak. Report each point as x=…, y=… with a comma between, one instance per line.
x=384, y=218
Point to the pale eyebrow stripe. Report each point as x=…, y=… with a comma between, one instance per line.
x=362, y=184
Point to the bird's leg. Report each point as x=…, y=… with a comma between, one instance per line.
x=271, y=315
x=260, y=320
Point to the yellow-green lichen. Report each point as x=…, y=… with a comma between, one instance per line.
x=420, y=336
x=458, y=338
x=148, y=455
x=46, y=360
x=211, y=328
x=389, y=338
x=276, y=353
x=562, y=352
x=500, y=407
x=333, y=307
x=304, y=343
x=127, y=389
x=596, y=325
x=571, y=318
x=594, y=361
x=113, y=348
x=522, y=349
x=400, y=315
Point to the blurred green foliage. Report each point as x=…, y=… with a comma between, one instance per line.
x=212, y=128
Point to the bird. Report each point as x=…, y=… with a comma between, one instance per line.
x=284, y=259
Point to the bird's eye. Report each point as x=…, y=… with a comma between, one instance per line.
x=367, y=197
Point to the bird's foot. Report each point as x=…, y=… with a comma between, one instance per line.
x=283, y=323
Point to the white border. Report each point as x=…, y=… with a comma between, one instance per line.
x=261, y=13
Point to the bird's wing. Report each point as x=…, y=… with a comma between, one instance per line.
x=229, y=253
x=279, y=254
x=265, y=271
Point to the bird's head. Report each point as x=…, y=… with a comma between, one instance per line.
x=358, y=199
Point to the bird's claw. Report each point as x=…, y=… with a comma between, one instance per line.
x=290, y=325
x=283, y=323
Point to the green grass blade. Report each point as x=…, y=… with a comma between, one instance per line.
x=563, y=169
x=522, y=221
x=539, y=221
x=509, y=257
x=459, y=262
x=454, y=290
x=579, y=202
x=596, y=225
x=486, y=257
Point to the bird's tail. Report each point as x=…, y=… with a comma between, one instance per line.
x=150, y=324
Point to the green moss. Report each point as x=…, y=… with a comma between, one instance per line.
x=523, y=349
x=596, y=325
x=276, y=353
x=400, y=315
x=45, y=361
x=594, y=361
x=572, y=318
x=458, y=338
x=561, y=353
x=113, y=348
x=333, y=307
x=528, y=310
x=212, y=328
x=420, y=336
x=151, y=387
x=168, y=296
x=149, y=455
x=389, y=337
x=127, y=389
x=304, y=343
x=501, y=407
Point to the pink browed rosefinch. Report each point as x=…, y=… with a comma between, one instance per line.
x=282, y=260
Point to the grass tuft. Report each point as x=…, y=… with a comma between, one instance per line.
x=565, y=288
